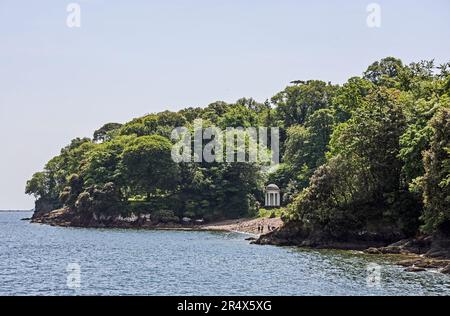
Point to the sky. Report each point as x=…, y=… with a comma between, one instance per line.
x=130, y=58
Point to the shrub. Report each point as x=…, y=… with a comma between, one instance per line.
x=164, y=216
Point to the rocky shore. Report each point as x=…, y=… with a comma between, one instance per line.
x=426, y=252
x=64, y=218
x=421, y=253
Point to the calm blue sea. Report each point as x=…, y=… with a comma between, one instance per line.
x=44, y=260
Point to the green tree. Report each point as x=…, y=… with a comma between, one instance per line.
x=105, y=200
x=162, y=124
x=416, y=140
x=296, y=103
x=70, y=193
x=362, y=171
x=372, y=134
x=238, y=116
x=105, y=132
x=148, y=165
x=436, y=191
x=103, y=163
x=38, y=185
x=386, y=72
x=350, y=97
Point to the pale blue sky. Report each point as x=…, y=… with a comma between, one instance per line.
x=134, y=57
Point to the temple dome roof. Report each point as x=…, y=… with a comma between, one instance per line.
x=272, y=187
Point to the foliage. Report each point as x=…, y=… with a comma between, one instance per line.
x=105, y=200
x=271, y=213
x=296, y=103
x=373, y=152
x=148, y=165
x=105, y=133
x=435, y=182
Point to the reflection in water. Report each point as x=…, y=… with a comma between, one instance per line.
x=35, y=260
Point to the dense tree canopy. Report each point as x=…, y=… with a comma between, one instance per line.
x=373, y=152
x=148, y=165
x=105, y=133
x=435, y=182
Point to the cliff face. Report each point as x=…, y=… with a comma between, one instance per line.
x=44, y=206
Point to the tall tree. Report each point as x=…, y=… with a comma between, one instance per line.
x=435, y=183
x=104, y=133
x=148, y=165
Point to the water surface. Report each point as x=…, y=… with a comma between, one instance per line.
x=34, y=260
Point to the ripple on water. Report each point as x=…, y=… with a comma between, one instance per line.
x=34, y=259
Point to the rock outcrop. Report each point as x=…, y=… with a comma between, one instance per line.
x=66, y=218
x=291, y=234
x=425, y=252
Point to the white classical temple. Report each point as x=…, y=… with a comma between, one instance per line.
x=272, y=196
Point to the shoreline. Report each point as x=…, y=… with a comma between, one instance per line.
x=413, y=261
x=245, y=226
x=249, y=226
